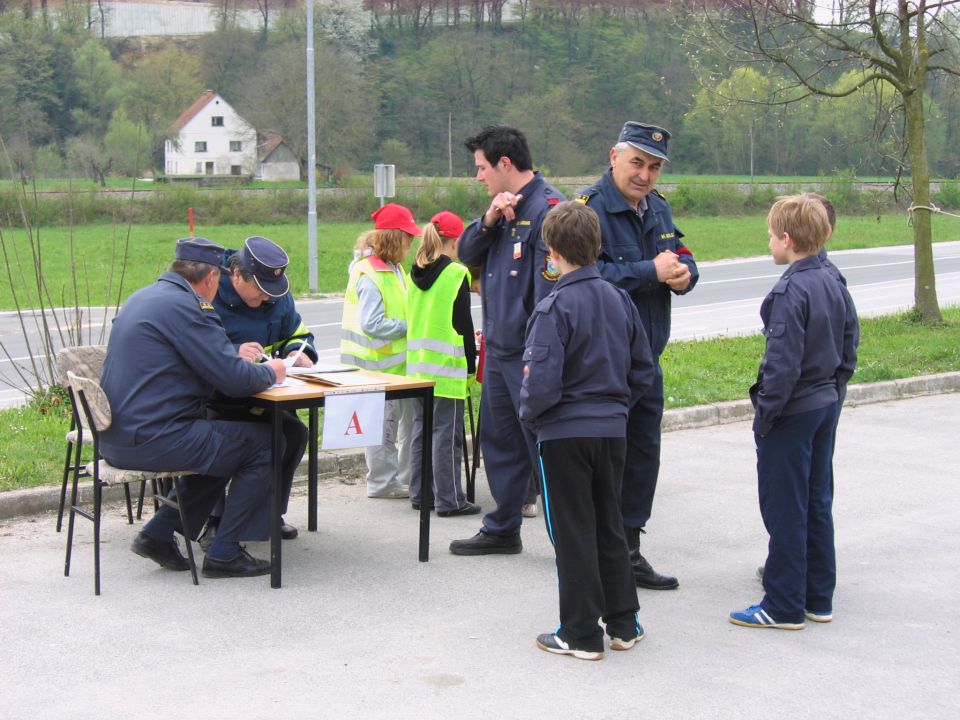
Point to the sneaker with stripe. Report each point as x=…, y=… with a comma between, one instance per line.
x=552, y=643
x=820, y=617
x=756, y=617
x=628, y=640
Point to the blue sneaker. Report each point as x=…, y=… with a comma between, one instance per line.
x=824, y=616
x=756, y=617
x=553, y=644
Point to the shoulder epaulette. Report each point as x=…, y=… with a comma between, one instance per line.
x=658, y=194
x=585, y=198
x=781, y=285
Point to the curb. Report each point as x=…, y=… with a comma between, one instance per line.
x=337, y=466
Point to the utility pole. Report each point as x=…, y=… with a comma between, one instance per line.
x=311, y=154
x=449, y=146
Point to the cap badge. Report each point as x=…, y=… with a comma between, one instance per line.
x=278, y=272
x=657, y=137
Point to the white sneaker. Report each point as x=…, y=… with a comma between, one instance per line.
x=399, y=492
x=530, y=510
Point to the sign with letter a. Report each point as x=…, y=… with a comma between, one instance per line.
x=353, y=420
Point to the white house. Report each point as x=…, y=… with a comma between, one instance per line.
x=211, y=139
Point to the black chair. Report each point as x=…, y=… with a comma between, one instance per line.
x=94, y=418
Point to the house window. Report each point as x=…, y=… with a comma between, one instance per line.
x=216, y=121
x=200, y=146
x=235, y=170
x=235, y=146
x=199, y=168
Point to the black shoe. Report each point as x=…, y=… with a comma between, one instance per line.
x=415, y=504
x=468, y=509
x=484, y=543
x=165, y=554
x=243, y=565
x=760, y=572
x=649, y=578
x=287, y=532
x=209, y=533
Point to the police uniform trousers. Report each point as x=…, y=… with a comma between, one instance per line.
x=447, y=453
x=223, y=450
x=581, y=500
x=508, y=447
x=795, y=477
x=643, y=454
x=295, y=436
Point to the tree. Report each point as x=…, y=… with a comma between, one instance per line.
x=126, y=145
x=97, y=80
x=898, y=42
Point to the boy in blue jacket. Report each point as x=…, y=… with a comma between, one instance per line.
x=586, y=361
x=812, y=333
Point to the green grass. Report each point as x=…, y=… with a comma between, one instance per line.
x=98, y=251
x=699, y=372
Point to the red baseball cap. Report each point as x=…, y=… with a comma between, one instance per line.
x=395, y=217
x=449, y=224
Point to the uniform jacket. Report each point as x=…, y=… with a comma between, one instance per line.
x=629, y=245
x=812, y=334
x=273, y=324
x=587, y=360
x=516, y=269
x=168, y=352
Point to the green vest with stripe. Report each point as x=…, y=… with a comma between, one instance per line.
x=434, y=349
x=358, y=348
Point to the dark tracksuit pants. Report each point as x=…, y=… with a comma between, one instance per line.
x=581, y=500
x=232, y=450
x=508, y=447
x=643, y=454
x=795, y=483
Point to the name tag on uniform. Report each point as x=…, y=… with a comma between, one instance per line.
x=516, y=250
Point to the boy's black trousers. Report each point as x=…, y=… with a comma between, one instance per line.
x=581, y=499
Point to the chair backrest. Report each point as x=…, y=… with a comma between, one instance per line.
x=83, y=360
x=94, y=405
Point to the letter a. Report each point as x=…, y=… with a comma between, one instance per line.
x=354, y=425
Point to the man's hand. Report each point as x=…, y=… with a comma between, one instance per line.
x=250, y=351
x=303, y=361
x=680, y=279
x=279, y=369
x=666, y=264
x=504, y=205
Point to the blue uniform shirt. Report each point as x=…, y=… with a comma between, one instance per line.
x=587, y=360
x=630, y=242
x=516, y=268
x=273, y=324
x=812, y=334
x=168, y=352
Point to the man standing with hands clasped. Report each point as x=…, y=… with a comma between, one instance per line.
x=642, y=253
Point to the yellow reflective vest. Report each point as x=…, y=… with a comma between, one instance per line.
x=434, y=349
x=358, y=348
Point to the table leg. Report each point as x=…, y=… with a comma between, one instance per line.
x=312, y=474
x=426, y=474
x=275, y=510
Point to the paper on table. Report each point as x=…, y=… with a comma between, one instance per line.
x=321, y=367
x=288, y=382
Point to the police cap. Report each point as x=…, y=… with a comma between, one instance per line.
x=198, y=249
x=266, y=262
x=649, y=138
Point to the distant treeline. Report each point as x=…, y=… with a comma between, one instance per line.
x=404, y=81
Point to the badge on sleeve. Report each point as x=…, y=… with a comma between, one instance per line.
x=204, y=305
x=550, y=271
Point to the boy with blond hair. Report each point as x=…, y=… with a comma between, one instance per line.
x=812, y=332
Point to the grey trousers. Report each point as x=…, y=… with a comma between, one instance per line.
x=447, y=453
x=388, y=465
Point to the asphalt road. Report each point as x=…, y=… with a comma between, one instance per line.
x=725, y=302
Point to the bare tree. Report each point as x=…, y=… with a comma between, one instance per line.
x=900, y=42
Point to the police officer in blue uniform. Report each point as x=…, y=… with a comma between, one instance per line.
x=261, y=320
x=642, y=253
x=517, y=274
x=167, y=354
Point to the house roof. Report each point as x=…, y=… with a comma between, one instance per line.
x=271, y=141
x=198, y=105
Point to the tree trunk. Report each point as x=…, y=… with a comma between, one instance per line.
x=925, y=280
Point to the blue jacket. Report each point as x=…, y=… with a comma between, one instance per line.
x=168, y=352
x=812, y=334
x=516, y=269
x=629, y=245
x=275, y=324
x=587, y=360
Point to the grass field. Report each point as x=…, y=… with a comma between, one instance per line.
x=94, y=253
x=31, y=442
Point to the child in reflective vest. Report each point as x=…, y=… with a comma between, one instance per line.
x=373, y=337
x=441, y=347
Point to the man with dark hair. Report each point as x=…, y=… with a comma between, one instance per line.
x=168, y=352
x=643, y=254
x=517, y=273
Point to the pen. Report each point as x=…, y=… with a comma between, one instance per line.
x=296, y=356
x=264, y=357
